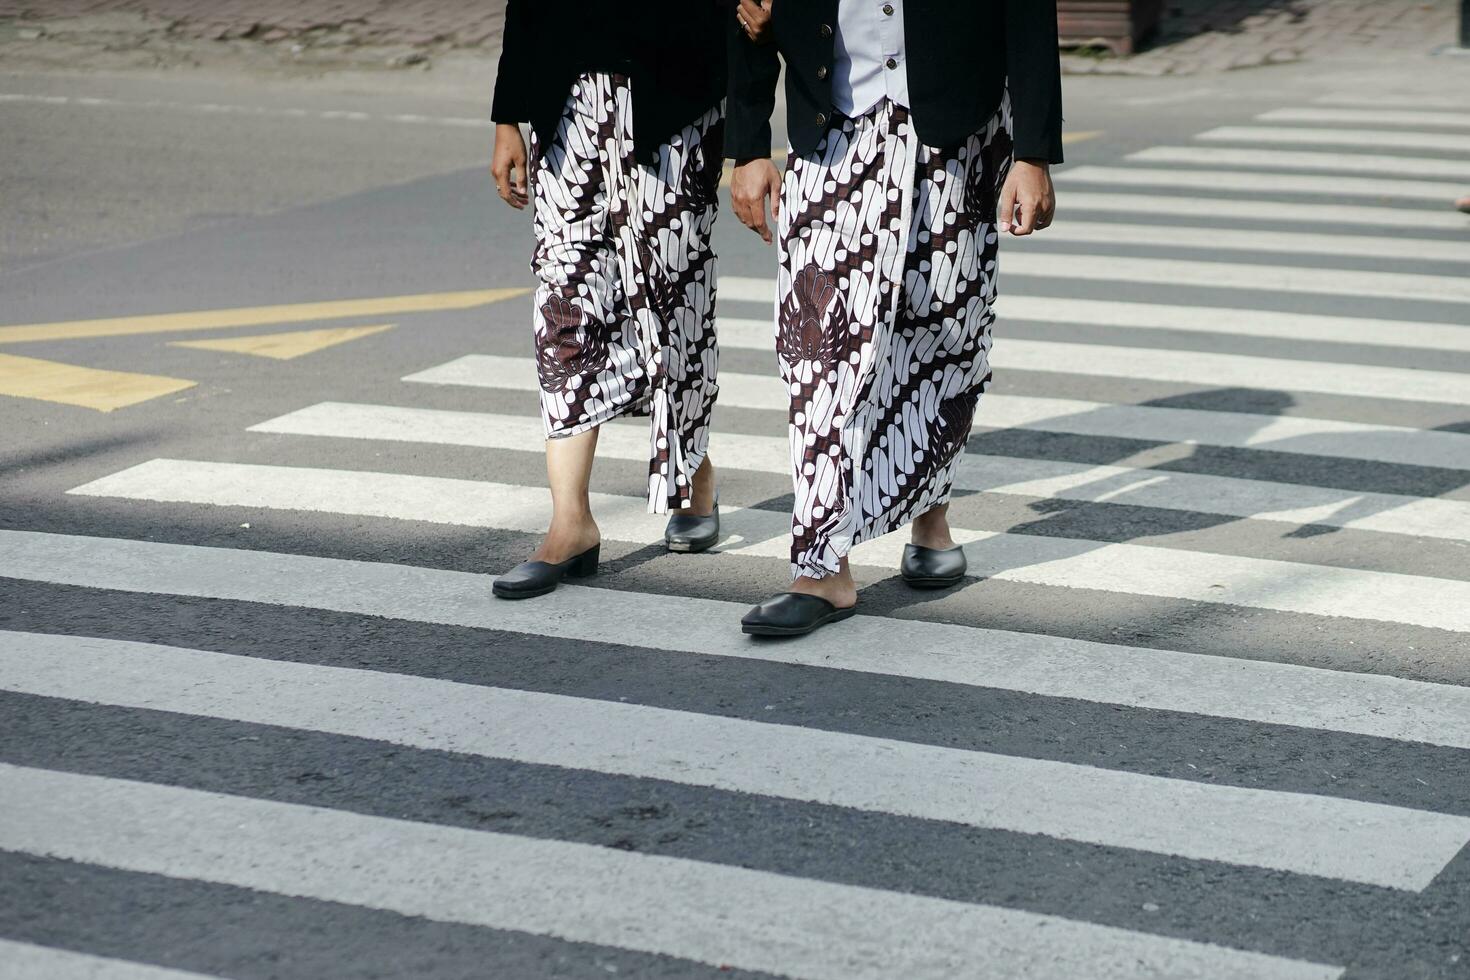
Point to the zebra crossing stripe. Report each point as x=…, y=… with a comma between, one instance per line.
x=1076, y=563
x=1276, y=213
x=1031, y=663
x=1112, y=234
x=1274, y=433
x=1331, y=837
x=1264, y=159
x=1390, y=101
x=709, y=913
x=1374, y=117
x=1371, y=138
x=1271, y=324
x=1016, y=476
x=1238, y=275
x=24, y=961
x=1233, y=370
x=1273, y=183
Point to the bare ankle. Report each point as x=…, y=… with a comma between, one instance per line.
x=703, y=489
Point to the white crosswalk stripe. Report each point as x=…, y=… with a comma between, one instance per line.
x=708, y=913
x=1376, y=101
x=24, y=961
x=1256, y=242
x=1224, y=321
x=1039, y=560
x=1100, y=360
x=1250, y=219
x=1215, y=181
x=1370, y=117
x=1296, y=504
x=1274, y=433
x=1262, y=691
x=1275, y=215
x=1259, y=159
x=1370, y=843
x=1307, y=136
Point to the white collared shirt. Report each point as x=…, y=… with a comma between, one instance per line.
x=870, y=59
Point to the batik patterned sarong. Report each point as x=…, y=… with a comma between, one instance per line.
x=887, y=278
x=624, y=313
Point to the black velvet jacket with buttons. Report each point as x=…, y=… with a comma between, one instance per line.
x=672, y=50
x=960, y=54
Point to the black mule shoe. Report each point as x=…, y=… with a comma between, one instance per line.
x=933, y=568
x=792, y=614
x=532, y=578
x=690, y=533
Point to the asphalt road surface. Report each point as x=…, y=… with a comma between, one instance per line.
x=268, y=428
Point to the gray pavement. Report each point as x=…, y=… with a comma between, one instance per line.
x=1190, y=589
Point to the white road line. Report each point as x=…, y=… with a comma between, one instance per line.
x=225, y=109
x=1369, y=117
x=1279, y=214
x=708, y=913
x=1114, y=234
x=1256, y=277
x=1232, y=180
x=1032, y=663
x=1391, y=101
x=1233, y=370
x=1371, y=138
x=1076, y=563
x=23, y=961
x=1263, y=159
x=1273, y=324
x=1330, y=837
x=434, y=500
x=1273, y=433
x=1014, y=476
x=1205, y=368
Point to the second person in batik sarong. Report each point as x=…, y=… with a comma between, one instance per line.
x=918, y=136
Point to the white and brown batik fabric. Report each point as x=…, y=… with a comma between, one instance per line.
x=624, y=313
x=887, y=278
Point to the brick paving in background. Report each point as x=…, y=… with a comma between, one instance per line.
x=1197, y=35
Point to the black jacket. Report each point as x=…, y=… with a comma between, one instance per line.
x=960, y=54
x=672, y=50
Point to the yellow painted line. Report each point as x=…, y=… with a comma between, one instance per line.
x=254, y=316
x=285, y=346
x=1069, y=138
x=69, y=384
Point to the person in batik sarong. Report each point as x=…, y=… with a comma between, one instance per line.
x=625, y=104
x=918, y=137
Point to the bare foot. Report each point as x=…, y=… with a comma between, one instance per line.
x=839, y=589
x=702, y=495
x=1464, y=204
x=931, y=530
x=567, y=539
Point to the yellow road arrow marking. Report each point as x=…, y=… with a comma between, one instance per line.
x=285, y=346
x=1069, y=138
x=69, y=384
x=254, y=316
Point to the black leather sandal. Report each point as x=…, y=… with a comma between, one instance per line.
x=691, y=533
x=532, y=578
x=792, y=614
x=933, y=568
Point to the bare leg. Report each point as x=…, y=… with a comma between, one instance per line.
x=702, y=501
x=931, y=529
x=569, y=471
x=839, y=589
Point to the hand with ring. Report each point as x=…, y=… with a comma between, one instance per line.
x=755, y=18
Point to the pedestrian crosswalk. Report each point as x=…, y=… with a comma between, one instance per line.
x=1204, y=692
